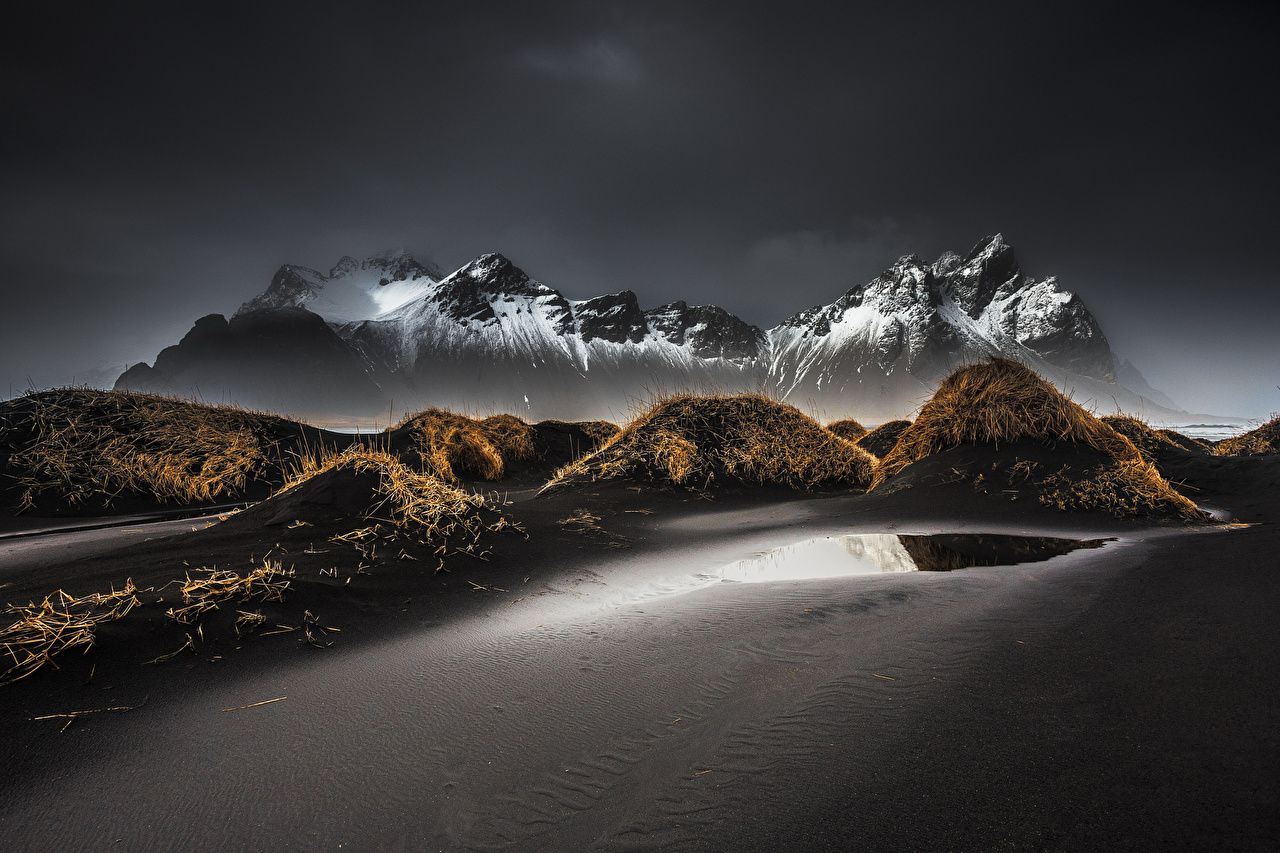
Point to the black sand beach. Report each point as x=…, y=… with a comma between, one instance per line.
x=587, y=689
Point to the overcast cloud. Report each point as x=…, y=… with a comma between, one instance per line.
x=160, y=163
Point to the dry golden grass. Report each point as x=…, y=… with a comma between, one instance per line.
x=267, y=582
x=58, y=623
x=695, y=441
x=848, y=429
x=600, y=432
x=83, y=445
x=1256, y=442
x=1147, y=439
x=1128, y=488
x=1001, y=401
x=420, y=505
x=454, y=446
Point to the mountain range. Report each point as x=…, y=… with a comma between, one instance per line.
x=392, y=332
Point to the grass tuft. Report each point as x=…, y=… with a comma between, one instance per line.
x=455, y=447
x=697, y=441
x=432, y=511
x=1149, y=440
x=848, y=429
x=999, y=402
x=1262, y=441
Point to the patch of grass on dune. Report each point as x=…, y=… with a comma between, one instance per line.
x=700, y=441
x=1149, y=440
x=1262, y=441
x=389, y=501
x=598, y=431
x=1000, y=402
x=456, y=447
x=848, y=429
x=79, y=446
x=418, y=505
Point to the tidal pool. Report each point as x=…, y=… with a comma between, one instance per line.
x=876, y=553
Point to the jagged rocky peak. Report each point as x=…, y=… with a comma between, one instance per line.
x=291, y=285
x=946, y=263
x=490, y=288
x=352, y=290
x=614, y=317
x=972, y=282
x=905, y=287
x=394, y=325
x=1056, y=325
x=399, y=265
x=389, y=266
x=708, y=330
x=494, y=274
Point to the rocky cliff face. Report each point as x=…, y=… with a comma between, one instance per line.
x=490, y=337
x=915, y=322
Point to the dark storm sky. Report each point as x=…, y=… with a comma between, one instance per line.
x=160, y=164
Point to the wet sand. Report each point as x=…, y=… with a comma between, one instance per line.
x=1123, y=698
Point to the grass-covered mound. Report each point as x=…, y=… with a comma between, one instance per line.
x=698, y=442
x=848, y=429
x=360, y=499
x=881, y=440
x=998, y=403
x=80, y=448
x=455, y=447
x=1151, y=442
x=374, y=489
x=599, y=431
x=1262, y=441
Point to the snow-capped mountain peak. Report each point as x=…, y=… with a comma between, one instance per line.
x=352, y=290
x=488, y=336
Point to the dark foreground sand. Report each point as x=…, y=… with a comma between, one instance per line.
x=1121, y=698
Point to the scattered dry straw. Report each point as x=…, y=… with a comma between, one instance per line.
x=268, y=582
x=58, y=623
x=695, y=441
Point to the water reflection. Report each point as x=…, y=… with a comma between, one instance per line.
x=876, y=553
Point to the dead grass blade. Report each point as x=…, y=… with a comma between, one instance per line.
x=60, y=622
x=268, y=582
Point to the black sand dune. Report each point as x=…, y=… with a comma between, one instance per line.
x=377, y=658
x=579, y=690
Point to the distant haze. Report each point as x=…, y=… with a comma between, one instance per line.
x=160, y=163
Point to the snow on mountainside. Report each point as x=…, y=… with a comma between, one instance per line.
x=489, y=337
x=353, y=290
x=895, y=336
